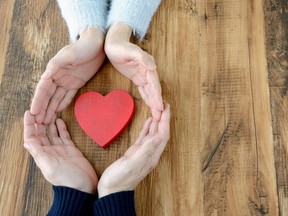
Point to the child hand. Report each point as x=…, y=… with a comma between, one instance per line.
x=66, y=72
x=60, y=162
x=135, y=64
x=139, y=160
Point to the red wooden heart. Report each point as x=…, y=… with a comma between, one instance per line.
x=104, y=118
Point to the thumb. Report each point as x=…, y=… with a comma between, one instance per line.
x=149, y=62
x=143, y=58
x=51, y=69
x=46, y=75
x=63, y=58
x=33, y=148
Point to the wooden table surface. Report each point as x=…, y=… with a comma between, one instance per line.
x=223, y=67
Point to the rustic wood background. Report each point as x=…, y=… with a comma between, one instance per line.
x=223, y=66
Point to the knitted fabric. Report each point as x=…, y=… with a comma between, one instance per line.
x=82, y=14
x=135, y=13
x=120, y=204
x=68, y=201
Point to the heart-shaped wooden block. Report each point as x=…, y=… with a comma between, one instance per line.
x=103, y=118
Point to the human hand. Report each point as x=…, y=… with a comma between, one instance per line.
x=135, y=64
x=139, y=160
x=60, y=162
x=66, y=72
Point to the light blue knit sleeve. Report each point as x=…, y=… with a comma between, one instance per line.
x=135, y=13
x=81, y=14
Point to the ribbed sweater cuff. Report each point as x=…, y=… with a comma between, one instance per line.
x=68, y=201
x=135, y=13
x=121, y=203
x=82, y=14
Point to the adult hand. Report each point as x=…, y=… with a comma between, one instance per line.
x=135, y=64
x=139, y=160
x=60, y=162
x=66, y=72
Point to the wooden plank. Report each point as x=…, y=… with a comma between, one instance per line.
x=276, y=23
x=235, y=130
x=30, y=44
x=266, y=174
x=6, y=12
x=175, y=187
x=211, y=63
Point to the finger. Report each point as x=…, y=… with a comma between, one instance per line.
x=34, y=148
x=29, y=126
x=153, y=127
x=143, y=156
x=143, y=95
x=53, y=104
x=39, y=118
x=139, y=78
x=159, y=151
x=150, y=152
x=144, y=131
x=156, y=114
x=161, y=137
x=34, y=132
x=53, y=120
x=164, y=123
x=139, y=140
x=151, y=96
x=51, y=69
x=155, y=90
x=42, y=134
x=131, y=150
x=148, y=62
x=62, y=58
x=44, y=91
x=63, y=132
x=66, y=100
x=162, y=145
x=53, y=135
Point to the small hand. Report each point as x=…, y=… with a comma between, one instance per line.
x=135, y=64
x=139, y=160
x=66, y=72
x=60, y=162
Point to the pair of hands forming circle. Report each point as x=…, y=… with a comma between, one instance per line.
x=78, y=62
x=62, y=164
x=48, y=141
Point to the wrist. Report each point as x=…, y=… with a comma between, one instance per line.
x=119, y=32
x=95, y=34
x=103, y=193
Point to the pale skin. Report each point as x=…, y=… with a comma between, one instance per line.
x=59, y=160
x=135, y=64
x=140, y=159
x=78, y=62
x=66, y=72
x=62, y=164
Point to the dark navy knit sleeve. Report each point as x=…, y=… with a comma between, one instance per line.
x=116, y=204
x=69, y=201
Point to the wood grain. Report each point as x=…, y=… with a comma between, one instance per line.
x=6, y=10
x=276, y=23
x=223, y=157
